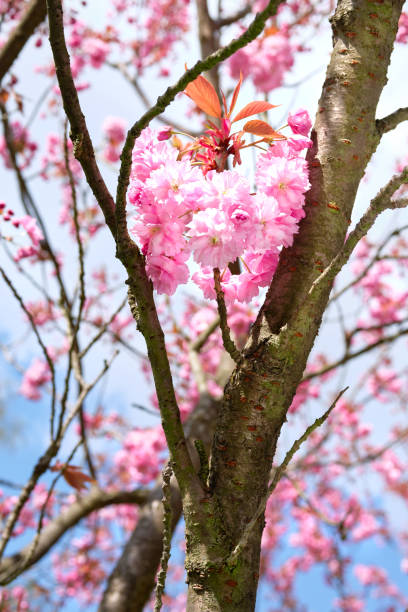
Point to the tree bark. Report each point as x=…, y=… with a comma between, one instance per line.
x=131, y=583
x=208, y=34
x=33, y=16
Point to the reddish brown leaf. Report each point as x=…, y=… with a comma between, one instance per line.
x=72, y=474
x=19, y=101
x=252, y=109
x=235, y=95
x=262, y=129
x=224, y=103
x=76, y=478
x=204, y=95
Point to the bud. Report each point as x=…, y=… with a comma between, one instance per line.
x=165, y=133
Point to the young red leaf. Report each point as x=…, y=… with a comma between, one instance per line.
x=224, y=103
x=204, y=95
x=252, y=109
x=263, y=129
x=235, y=95
x=72, y=474
x=76, y=478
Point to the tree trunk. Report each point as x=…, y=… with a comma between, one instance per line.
x=261, y=388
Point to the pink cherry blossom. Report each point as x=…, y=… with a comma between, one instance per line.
x=114, y=128
x=300, y=122
x=402, y=35
x=36, y=375
x=265, y=61
x=167, y=273
x=284, y=179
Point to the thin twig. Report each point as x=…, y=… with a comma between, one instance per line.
x=277, y=476
x=228, y=342
x=349, y=356
x=56, y=528
x=44, y=461
x=146, y=102
x=30, y=551
x=30, y=206
x=200, y=341
x=167, y=516
x=381, y=202
x=81, y=272
x=31, y=19
x=83, y=148
x=85, y=391
x=377, y=257
x=39, y=340
x=103, y=329
x=221, y=22
x=390, y=122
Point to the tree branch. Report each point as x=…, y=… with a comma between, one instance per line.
x=83, y=148
x=95, y=500
x=200, y=341
x=226, y=21
x=369, y=265
x=278, y=475
x=349, y=356
x=140, y=287
x=167, y=533
x=390, y=122
x=379, y=204
x=47, y=357
x=33, y=16
x=228, y=342
x=132, y=580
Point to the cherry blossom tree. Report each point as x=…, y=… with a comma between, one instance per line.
x=203, y=254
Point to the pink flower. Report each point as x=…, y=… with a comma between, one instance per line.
x=115, y=129
x=370, y=575
x=298, y=144
x=148, y=154
x=167, y=273
x=349, y=604
x=265, y=60
x=96, y=49
x=139, y=459
x=402, y=34
x=205, y=280
x=300, y=122
x=159, y=233
x=284, y=179
x=212, y=239
x=34, y=377
x=32, y=229
x=164, y=133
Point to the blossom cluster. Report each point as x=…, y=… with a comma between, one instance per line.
x=265, y=60
x=114, y=129
x=214, y=217
x=56, y=162
x=24, y=148
x=26, y=227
